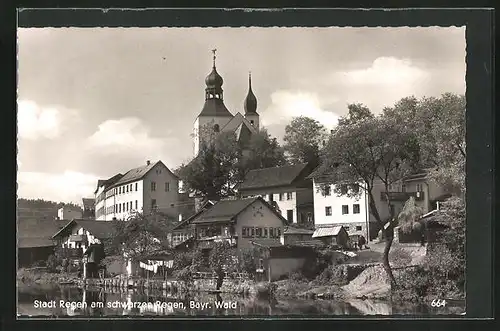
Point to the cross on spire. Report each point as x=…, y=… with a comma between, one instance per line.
x=213, y=51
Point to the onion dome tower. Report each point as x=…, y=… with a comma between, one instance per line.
x=214, y=95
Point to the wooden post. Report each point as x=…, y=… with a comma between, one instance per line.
x=84, y=270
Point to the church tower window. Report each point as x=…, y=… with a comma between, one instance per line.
x=216, y=128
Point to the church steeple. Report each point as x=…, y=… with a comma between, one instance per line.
x=250, y=104
x=214, y=83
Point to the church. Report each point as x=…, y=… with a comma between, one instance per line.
x=215, y=116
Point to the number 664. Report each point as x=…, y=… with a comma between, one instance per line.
x=438, y=303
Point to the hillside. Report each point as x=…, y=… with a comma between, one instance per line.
x=39, y=208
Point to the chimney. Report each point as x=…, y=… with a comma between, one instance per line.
x=148, y=162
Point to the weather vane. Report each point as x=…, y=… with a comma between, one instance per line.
x=213, y=51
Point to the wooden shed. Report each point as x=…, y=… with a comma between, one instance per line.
x=334, y=236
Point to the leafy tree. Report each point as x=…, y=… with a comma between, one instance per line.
x=265, y=152
x=138, y=237
x=367, y=150
x=303, y=140
x=441, y=130
x=356, y=112
x=215, y=171
x=222, y=259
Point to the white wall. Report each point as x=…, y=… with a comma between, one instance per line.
x=125, y=202
x=165, y=200
x=349, y=220
x=68, y=213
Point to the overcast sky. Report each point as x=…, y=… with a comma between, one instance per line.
x=97, y=101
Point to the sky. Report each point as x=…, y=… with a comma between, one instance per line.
x=93, y=102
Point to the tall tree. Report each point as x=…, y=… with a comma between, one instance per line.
x=265, y=152
x=356, y=112
x=442, y=125
x=222, y=259
x=303, y=140
x=367, y=150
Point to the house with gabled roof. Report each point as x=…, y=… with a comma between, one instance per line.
x=143, y=189
x=236, y=220
x=287, y=188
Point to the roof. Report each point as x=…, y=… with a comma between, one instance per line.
x=99, y=229
x=108, y=182
x=88, y=201
x=294, y=230
x=327, y=232
x=205, y=206
x=215, y=107
x=37, y=233
x=266, y=242
x=272, y=177
x=34, y=242
x=224, y=210
x=138, y=173
x=308, y=243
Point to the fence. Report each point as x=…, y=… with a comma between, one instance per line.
x=211, y=275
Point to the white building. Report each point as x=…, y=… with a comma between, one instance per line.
x=142, y=189
x=352, y=211
x=286, y=188
x=68, y=212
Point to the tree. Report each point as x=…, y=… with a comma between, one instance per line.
x=138, y=237
x=216, y=169
x=441, y=124
x=265, y=152
x=303, y=139
x=366, y=150
x=222, y=259
x=356, y=112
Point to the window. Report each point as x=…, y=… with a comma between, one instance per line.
x=119, y=208
x=266, y=234
x=355, y=188
x=252, y=232
x=355, y=208
x=136, y=186
x=271, y=197
x=359, y=228
x=289, y=195
x=328, y=211
x=153, y=203
x=419, y=188
x=136, y=205
x=391, y=209
x=280, y=197
x=403, y=188
x=271, y=232
x=345, y=209
x=327, y=190
x=278, y=230
x=127, y=188
x=153, y=186
x=167, y=187
x=120, y=190
x=130, y=187
x=343, y=189
x=289, y=215
x=244, y=232
x=258, y=232
x=260, y=265
x=251, y=122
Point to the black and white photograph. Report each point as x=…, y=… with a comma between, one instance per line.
x=233, y=172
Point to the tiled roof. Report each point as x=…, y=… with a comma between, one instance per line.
x=88, y=202
x=224, y=210
x=294, y=230
x=215, y=107
x=272, y=177
x=34, y=242
x=266, y=242
x=188, y=220
x=108, y=182
x=37, y=233
x=138, y=173
x=327, y=232
x=99, y=229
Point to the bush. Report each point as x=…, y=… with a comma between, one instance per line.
x=39, y=263
x=400, y=257
x=53, y=263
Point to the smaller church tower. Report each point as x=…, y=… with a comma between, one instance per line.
x=250, y=105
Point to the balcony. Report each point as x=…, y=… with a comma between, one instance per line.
x=401, y=196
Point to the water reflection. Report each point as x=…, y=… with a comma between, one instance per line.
x=100, y=303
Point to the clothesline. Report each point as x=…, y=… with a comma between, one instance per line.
x=153, y=265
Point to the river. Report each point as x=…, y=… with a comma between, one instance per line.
x=99, y=303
